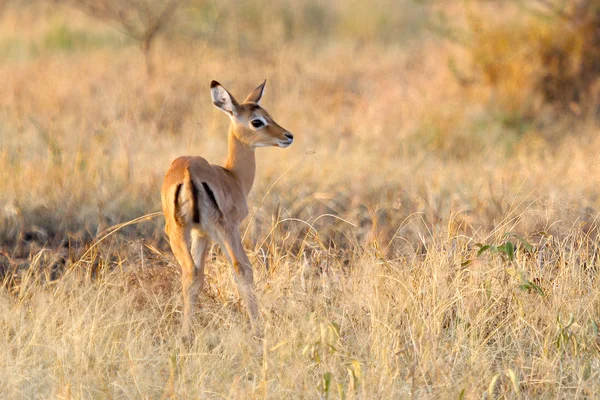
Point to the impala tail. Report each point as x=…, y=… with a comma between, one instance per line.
x=195, y=204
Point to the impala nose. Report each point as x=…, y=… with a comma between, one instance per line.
x=289, y=135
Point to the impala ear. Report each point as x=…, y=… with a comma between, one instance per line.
x=223, y=100
x=256, y=94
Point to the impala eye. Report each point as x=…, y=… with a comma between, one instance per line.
x=257, y=123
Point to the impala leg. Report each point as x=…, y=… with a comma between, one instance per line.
x=199, y=249
x=179, y=245
x=242, y=271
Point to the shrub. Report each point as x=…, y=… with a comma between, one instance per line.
x=538, y=59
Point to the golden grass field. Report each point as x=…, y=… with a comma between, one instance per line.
x=364, y=235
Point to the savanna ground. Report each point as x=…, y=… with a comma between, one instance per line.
x=432, y=232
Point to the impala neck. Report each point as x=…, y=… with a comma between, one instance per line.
x=241, y=161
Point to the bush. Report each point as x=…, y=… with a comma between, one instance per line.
x=539, y=60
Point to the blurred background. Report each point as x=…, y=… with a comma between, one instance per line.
x=458, y=111
x=431, y=233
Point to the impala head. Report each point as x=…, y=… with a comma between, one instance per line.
x=252, y=124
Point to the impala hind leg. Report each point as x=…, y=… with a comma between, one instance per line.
x=242, y=271
x=180, y=245
x=199, y=248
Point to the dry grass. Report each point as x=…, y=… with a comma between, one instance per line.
x=365, y=251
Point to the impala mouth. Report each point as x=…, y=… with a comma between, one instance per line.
x=285, y=143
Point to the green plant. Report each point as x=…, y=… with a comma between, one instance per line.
x=507, y=251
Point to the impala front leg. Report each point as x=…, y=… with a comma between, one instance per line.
x=242, y=271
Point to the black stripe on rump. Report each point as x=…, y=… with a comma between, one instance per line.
x=211, y=195
x=176, y=205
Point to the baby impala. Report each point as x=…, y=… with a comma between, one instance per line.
x=203, y=202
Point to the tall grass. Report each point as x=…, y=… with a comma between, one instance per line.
x=381, y=255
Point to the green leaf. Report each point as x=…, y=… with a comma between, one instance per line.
x=571, y=321
x=510, y=250
x=483, y=249
x=524, y=287
x=587, y=371
x=341, y=392
x=537, y=289
x=327, y=376
x=530, y=286
x=524, y=242
x=466, y=263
